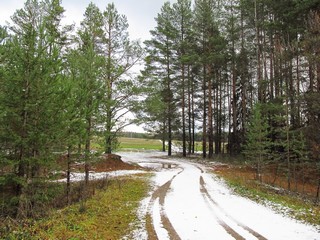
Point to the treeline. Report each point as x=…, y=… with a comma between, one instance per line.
x=245, y=73
x=60, y=87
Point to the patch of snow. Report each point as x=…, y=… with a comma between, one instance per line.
x=77, y=177
x=262, y=219
x=156, y=217
x=174, y=148
x=140, y=231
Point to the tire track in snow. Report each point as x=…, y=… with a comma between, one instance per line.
x=160, y=194
x=205, y=193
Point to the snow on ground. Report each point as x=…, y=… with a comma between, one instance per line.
x=199, y=206
x=188, y=212
x=267, y=222
x=77, y=177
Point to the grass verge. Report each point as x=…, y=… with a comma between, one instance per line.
x=282, y=201
x=110, y=214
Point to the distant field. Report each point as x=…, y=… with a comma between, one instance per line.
x=151, y=144
x=140, y=143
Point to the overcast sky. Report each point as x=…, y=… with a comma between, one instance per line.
x=140, y=13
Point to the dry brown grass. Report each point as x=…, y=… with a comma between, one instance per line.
x=303, y=183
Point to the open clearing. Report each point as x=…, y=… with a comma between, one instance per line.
x=139, y=143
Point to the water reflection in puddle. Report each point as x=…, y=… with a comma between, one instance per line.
x=157, y=166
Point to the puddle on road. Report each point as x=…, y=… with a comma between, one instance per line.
x=158, y=166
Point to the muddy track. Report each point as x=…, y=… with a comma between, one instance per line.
x=231, y=231
x=160, y=194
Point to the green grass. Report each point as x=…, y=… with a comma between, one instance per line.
x=140, y=143
x=109, y=214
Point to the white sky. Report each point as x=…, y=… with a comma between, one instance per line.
x=140, y=13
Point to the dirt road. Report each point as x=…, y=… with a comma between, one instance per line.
x=188, y=202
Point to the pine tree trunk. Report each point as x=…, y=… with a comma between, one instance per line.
x=164, y=136
x=169, y=106
x=277, y=67
x=109, y=121
x=258, y=54
x=184, y=152
x=169, y=137
x=271, y=68
x=22, y=173
x=221, y=121
x=229, y=148
x=87, y=151
x=234, y=135
x=311, y=77
x=298, y=114
x=68, y=175
x=288, y=146
x=291, y=97
x=193, y=117
x=318, y=72
x=318, y=192
x=189, y=113
x=204, y=123
x=210, y=116
x=218, y=103
x=109, y=93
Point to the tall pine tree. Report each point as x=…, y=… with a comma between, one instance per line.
x=121, y=55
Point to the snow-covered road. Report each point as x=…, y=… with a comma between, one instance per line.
x=190, y=203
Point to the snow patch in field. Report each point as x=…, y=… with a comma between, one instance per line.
x=77, y=177
x=140, y=230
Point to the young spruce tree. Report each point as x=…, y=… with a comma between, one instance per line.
x=257, y=142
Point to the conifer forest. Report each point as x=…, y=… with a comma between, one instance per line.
x=227, y=79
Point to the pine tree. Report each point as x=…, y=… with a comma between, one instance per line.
x=161, y=62
x=204, y=23
x=212, y=59
x=121, y=54
x=88, y=64
x=182, y=22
